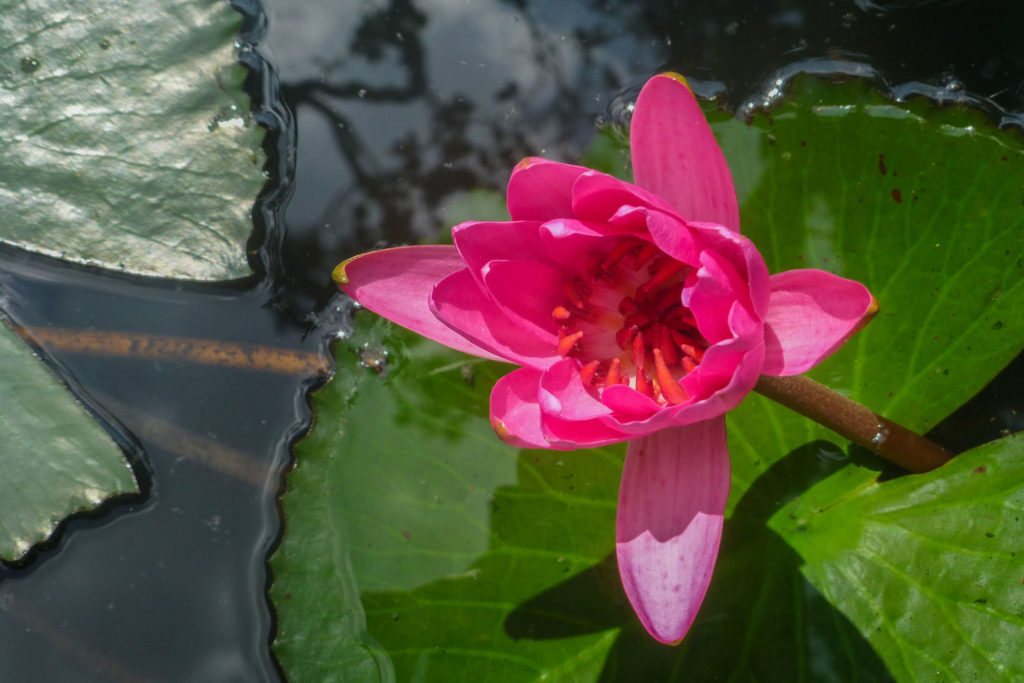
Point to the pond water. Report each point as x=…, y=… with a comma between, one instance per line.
x=388, y=110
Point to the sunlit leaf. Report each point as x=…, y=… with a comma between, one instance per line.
x=930, y=568
x=55, y=458
x=126, y=140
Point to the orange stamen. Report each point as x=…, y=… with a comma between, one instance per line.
x=670, y=388
x=588, y=370
x=561, y=313
x=642, y=385
x=566, y=343
x=612, y=378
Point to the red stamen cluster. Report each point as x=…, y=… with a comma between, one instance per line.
x=626, y=322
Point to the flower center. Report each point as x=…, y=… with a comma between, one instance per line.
x=625, y=320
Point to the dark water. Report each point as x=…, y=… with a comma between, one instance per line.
x=392, y=109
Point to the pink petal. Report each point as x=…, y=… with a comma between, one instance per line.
x=601, y=198
x=480, y=242
x=811, y=313
x=674, y=237
x=563, y=394
x=515, y=414
x=396, y=283
x=671, y=506
x=744, y=258
x=675, y=155
x=572, y=434
x=574, y=245
x=459, y=303
x=717, y=288
x=628, y=403
x=540, y=190
x=527, y=292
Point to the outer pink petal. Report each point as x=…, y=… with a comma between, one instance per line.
x=540, y=190
x=462, y=306
x=515, y=414
x=671, y=506
x=810, y=314
x=675, y=155
x=396, y=284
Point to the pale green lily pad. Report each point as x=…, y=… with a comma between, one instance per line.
x=126, y=143
x=55, y=458
x=526, y=588
x=126, y=140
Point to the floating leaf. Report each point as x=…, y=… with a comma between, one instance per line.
x=126, y=140
x=55, y=458
x=125, y=143
x=930, y=568
x=453, y=589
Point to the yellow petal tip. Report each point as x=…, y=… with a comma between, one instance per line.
x=872, y=307
x=677, y=77
x=528, y=161
x=339, y=275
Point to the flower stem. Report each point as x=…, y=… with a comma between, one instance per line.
x=854, y=422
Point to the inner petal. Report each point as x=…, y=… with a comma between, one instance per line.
x=623, y=319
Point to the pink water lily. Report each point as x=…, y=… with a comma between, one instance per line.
x=638, y=313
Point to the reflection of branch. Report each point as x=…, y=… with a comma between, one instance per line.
x=67, y=642
x=199, y=449
x=184, y=349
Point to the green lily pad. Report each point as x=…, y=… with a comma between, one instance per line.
x=55, y=458
x=930, y=568
x=420, y=546
x=126, y=140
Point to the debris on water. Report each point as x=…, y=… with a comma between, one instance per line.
x=375, y=358
x=30, y=65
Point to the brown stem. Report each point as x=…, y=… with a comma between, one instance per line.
x=855, y=422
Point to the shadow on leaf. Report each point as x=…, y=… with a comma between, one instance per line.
x=761, y=619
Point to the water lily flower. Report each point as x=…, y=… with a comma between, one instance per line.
x=638, y=313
